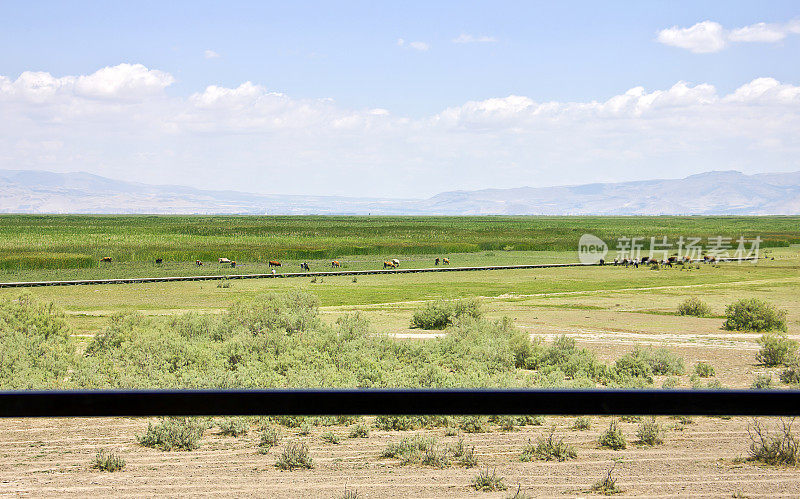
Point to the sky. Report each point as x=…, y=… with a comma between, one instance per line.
x=407, y=99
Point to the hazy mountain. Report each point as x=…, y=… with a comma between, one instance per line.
x=725, y=192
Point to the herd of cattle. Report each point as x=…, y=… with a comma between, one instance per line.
x=669, y=262
x=387, y=264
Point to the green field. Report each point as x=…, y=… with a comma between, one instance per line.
x=43, y=247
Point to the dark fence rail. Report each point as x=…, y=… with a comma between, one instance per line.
x=80, y=403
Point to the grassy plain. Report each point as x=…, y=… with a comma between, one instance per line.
x=76, y=241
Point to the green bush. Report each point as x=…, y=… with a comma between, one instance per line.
x=607, y=486
x=233, y=427
x=694, y=307
x=776, y=349
x=473, y=424
x=411, y=450
x=643, y=362
x=173, y=434
x=108, y=460
x=294, y=456
x=548, y=448
x=752, y=314
x=397, y=423
x=488, y=482
x=791, y=375
x=581, y=423
x=762, y=382
x=359, y=431
x=650, y=432
x=613, y=438
x=331, y=438
x=704, y=370
x=37, y=350
x=269, y=439
x=441, y=313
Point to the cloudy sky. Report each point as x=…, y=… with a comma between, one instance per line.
x=398, y=100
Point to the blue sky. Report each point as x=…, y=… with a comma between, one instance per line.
x=402, y=58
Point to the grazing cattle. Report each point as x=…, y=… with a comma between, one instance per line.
x=602, y=262
x=273, y=271
x=233, y=264
x=224, y=260
x=396, y=262
x=105, y=259
x=388, y=264
x=273, y=263
x=159, y=261
x=198, y=263
x=335, y=264
x=645, y=259
x=445, y=261
x=304, y=266
x=672, y=259
x=436, y=262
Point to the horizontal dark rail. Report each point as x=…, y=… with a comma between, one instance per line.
x=140, y=280
x=82, y=403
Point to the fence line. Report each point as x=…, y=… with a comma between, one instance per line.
x=135, y=280
x=86, y=403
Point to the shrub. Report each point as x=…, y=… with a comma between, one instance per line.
x=581, y=423
x=435, y=456
x=473, y=424
x=396, y=423
x=608, y=485
x=548, y=448
x=488, y=482
x=173, y=434
x=762, y=382
x=359, y=431
x=704, y=370
x=36, y=346
x=441, y=313
x=642, y=362
x=650, y=432
x=694, y=307
x=528, y=420
x=465, y=455
x=754, y=315
x=108, y=460
x=294, y=456
x=791, y=375
x=269, y=438
x=305, y=429
x=350, y=494
x=613, y=438
x=670, y=382
x=506, y=423
x=331, y=438
x=233, y=427
x=776, y=349
x=417, y=442
x=780, y=449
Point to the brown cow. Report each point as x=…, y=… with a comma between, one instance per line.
x=273, y=263
x=105, y=259
x=335, y=264
x=198, y=263
x=445, y=261
x=389, y=264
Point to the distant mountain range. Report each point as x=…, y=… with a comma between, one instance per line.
x=712, y=193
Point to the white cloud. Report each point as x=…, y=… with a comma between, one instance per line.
x=210, y=54
x=465, y=38
x=703, y=37
x=421, y=46
x=119, y=122
x=709, y=36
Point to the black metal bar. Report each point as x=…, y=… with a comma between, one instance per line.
x=85, y=403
